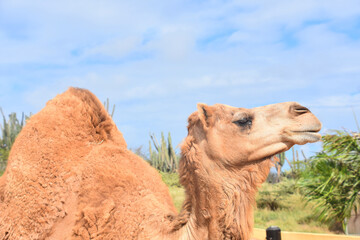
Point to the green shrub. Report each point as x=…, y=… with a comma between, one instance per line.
x=331, y=179
x=272, y=196
x=170, y=179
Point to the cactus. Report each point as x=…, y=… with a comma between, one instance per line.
x=296, y=165
x=163, y=157
x=279, y=164
x=106, y=105
x=9, y=130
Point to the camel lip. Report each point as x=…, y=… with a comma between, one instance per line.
x=306, y=131
x=311, y=132
x=309, y=135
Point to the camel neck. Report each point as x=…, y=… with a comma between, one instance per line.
x=219, y=201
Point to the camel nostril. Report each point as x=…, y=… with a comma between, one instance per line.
x=300, y=109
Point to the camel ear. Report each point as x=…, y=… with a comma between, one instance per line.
x=205, y=114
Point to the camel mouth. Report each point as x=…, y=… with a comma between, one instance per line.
x=307, y=131
x=306, y=136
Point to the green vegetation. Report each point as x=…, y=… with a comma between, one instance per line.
x=291, y=213
x=332, y=178
x=171, y=179
x=282, y=205
x=177, y=192
x=164, y=157
x=9, y=130
x=272, y=196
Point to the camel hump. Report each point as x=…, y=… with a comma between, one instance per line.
x=100, y=119
x=45, y=160
x=69, y=125
x=84, y=109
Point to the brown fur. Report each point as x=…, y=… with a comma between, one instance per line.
x=220, y=198
x=70, y=176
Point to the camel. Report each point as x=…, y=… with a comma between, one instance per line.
x=71, y=176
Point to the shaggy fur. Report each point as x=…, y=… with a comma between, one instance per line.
x=220, y=199
x=70, y=176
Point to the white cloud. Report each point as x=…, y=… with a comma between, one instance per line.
x=247, y=53
x=241, y=79
x=176, y=42
x=338, y=101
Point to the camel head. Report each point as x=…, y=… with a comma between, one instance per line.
x=236, y=136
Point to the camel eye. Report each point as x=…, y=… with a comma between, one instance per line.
x=244, y=122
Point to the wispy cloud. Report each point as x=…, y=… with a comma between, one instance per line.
x=339, y=101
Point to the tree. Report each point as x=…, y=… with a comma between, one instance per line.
x=332, y=178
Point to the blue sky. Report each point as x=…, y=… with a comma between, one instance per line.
x=156, y=59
